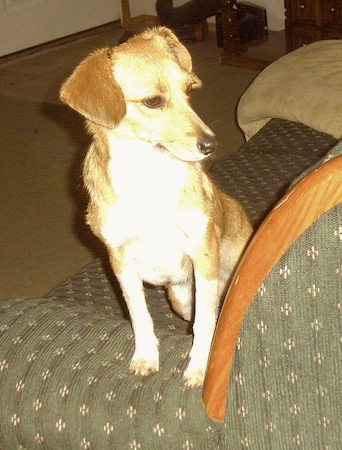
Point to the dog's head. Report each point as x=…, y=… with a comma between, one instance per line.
x=140, y=90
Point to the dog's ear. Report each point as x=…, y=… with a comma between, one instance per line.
x=180, y=53
x=178, y=50
x=93, y=92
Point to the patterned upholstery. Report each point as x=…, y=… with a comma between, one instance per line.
x=286, y=387
x=259, y=174
x=64, y=380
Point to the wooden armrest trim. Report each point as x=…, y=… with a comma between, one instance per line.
x=314, y=195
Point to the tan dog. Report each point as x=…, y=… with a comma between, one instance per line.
x=161, y=218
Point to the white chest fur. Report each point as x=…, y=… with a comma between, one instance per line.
x=140, y=172
x=147, y=218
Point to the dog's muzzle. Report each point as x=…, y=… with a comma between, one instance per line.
x=207, y=145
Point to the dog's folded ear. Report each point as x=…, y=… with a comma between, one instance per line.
x=179, y=51
x=93, y=92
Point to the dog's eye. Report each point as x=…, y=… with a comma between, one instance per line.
x=154, y=102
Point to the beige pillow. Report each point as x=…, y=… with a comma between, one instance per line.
x=303, y=86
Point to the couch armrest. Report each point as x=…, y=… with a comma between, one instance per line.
x=301, y=206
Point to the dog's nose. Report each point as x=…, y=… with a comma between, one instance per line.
x=207, y=145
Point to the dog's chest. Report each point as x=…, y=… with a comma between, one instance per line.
x=146, y=182
x=147, y=218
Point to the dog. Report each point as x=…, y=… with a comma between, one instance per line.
x=161, y=218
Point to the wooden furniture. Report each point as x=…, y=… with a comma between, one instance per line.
x=235, y=52
x=312, y=20
x=251, y=22
x=302, y=205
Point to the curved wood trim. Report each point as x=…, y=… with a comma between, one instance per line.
x=304, y=203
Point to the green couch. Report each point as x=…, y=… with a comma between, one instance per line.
x=64, y=358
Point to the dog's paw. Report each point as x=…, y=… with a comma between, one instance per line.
x=193, y=378
x=142, y=366
x=187, y=313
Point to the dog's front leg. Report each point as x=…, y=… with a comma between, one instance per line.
x=145, y=359
x=206, y=309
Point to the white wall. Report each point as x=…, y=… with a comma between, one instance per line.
x=27, y=23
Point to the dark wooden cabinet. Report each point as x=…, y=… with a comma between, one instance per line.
x=312, y=20
x=239, y=25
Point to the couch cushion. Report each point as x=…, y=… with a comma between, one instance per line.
x=304, y=86
x=65, y=383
